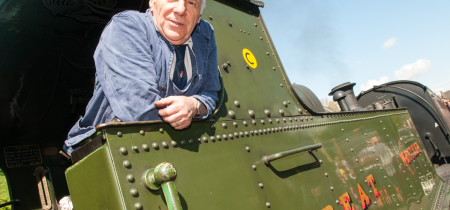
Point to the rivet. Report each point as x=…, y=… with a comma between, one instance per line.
x=138, y=206
x=210, y=17
x=245, y=123
x=326, y=174
x=161, y=130
x=155, y=145
x=260, y=38
x=123, y=151
x=251, y=113
x=320, y=161
x=173, y=143
x=236, y=103
x=183, y=142
x=263, y=122
x=331, y=188
x=231, y=114
x=230, y=136
x=285, y=103
x=133, y=192
x=360, y=170
x=260, y=131
x=213, y=126
x=268, y=204
x=224, y=125
x=255, y=132
x=260, y=185
x=246, y=133
x=145, y=147
x=342, y=130
x=199, y=140
x=224, y=66
x=191, y=141
x=410, y=185
x=224, y=136
x=142, y=132
x=347, y=140
x=119, y=134
x=267, y=53
x=311, y=118
x=385, y=177
x=135, y=148
x=218, y=137
x=365, y=134
x=389, y=186
x=247, y=148
x=397, y=203
x=126, y=164
x=356, y=160
x=205, y=139
x=231, y=25
x=351, y=150
x=377, y=159
x=381, y=168
x=267, y=112
x=300, y=111
x=130, y=178
x=270, y=121
x=281, y=112
x=236, y=134
x=164, y=144
x=254, y=167
x=264, y=130
x=337, y=201
x=281, y=85
x=235, y=124
x=212, y=138
x=254, y=122
x=278, y=121
x=375, y=202
x=255, y=24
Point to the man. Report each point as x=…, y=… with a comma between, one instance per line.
x=161, y=64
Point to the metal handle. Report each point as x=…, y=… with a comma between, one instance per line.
x=163, y=176
x=266, y=159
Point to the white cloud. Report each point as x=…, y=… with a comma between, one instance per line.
x=370, y=83
x=412, y=70
x=390, y=42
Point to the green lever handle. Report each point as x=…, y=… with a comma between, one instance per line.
x=163, y=176
x=266, y=159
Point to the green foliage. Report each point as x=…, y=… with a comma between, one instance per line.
x=4, y=192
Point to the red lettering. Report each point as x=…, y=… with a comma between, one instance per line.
x=344, y=199
x=371, y=182
x=365, y=200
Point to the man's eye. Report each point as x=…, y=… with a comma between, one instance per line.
x=192, y=3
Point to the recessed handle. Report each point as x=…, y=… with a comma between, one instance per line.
x=266, y=159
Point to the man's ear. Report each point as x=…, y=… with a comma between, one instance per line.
x=150, y=4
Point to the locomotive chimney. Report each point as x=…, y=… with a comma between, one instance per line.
x=339, y=96
x=350, y=98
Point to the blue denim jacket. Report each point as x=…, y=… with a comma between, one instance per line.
x=133, y=63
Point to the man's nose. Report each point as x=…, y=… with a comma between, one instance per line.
x=180, y=8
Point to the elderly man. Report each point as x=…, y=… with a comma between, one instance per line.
x=161, y=64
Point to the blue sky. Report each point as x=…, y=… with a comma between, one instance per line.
x=328, y=42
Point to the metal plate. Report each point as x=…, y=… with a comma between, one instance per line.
x=19, y=156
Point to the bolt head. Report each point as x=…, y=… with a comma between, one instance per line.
x=191, y=141
x=123, y=151
x=142, y=132
x=260, y=185
x=164, y=144
x=133, y=192
x=247, y=148
x=173, y=143
x=155, y=145
x=254, y=167
x=119, y=134
x=218, y=137
x=268, y=204
x=138, y=206
x=130, y=178
x=126, y=164
x=145, y=147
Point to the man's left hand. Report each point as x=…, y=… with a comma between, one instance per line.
x=179, y=111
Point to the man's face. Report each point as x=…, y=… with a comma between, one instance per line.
x=176, y=19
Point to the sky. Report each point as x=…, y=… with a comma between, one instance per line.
x=325, y=43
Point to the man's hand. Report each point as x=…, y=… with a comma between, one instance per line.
x=179, y=111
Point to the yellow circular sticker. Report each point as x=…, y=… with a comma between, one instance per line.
x=249, y=58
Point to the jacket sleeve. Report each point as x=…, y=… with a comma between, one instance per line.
x=126, y=70
x=209, y=93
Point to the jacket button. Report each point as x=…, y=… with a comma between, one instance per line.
x=163, y=88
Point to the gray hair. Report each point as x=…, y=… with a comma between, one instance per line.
x=201, y=7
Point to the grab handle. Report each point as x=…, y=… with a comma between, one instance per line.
x=266, y=159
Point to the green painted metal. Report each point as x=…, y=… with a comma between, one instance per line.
x=220, y=158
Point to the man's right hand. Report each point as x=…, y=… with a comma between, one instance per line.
x=179, y=111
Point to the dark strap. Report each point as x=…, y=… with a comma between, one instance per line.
x=179, y=75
